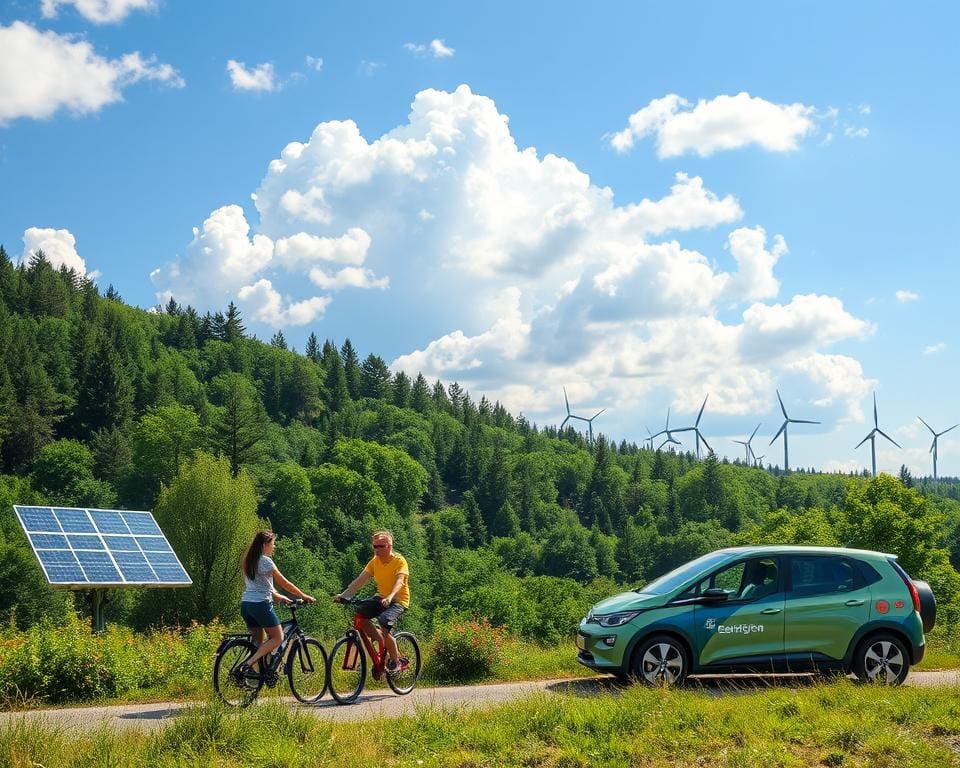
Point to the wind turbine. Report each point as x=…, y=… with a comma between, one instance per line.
x=666, y=431
x=747, y=448
x=783, y=429
x=758, y=460
x=696, y=429
x=579, y=418
x=933, y=447
x=872, y=437
x=648, y=443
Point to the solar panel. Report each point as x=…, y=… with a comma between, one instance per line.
x=101, y=547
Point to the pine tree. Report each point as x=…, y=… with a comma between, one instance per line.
x=505, y=522
x=278, y=341
x=172, y=308
x=906, y=477
x=420, y=395
x=105, y=395
x=313, y=348
x=478, y=529
x=374, y=378
x=351, y=368
x=233, y=329
x=401, y=390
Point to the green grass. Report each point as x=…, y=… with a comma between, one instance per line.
x=841, y=724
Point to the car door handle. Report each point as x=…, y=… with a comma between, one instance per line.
x=852, y=603
x=769, y=611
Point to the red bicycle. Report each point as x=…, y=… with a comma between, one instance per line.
x=347, y=663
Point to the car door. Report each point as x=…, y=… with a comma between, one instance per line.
x=827, y=601
x=748, y=626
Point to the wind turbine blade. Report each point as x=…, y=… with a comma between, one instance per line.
x=933, y=445
x=565, y=400
x=875, y=422
x=781, y=405
x=661, y=432
x=578, y=418
x=947, y=430
x=754, y=431
x=704, y=440
x=889, y=438
x=868, y=437
x=783, y=427
x=697, y=422
x=740, y=442
x=563, y=423
x=668, y=419
x=927, y=425
x=802, y=421
x=597, y=413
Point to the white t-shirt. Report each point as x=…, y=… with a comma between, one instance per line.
x=259, y=589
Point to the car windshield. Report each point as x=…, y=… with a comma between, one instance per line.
x=678, y=576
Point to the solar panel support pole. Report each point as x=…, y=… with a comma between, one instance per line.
x=98, y=602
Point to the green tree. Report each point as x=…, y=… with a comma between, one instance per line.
x=239, y=422
x=63, y=473
x=210, y=516
x=289, y=501
x=165, y=437
x=374, y=378
x=351, y=368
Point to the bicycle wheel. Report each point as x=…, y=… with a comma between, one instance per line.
x=307, y=670
x=347, y=669
x=232, y=691
x=405, y=680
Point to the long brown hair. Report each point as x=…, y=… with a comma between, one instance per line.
x=252, y=557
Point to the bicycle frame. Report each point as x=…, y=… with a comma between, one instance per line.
x=291, y=630
x=378, y=652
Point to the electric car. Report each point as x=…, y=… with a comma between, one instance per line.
x=765, y=609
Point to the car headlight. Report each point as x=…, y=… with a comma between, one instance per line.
x=616, y=619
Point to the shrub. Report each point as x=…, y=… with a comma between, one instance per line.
x=464, y=651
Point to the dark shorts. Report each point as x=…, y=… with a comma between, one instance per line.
x=372, y=608
x=259, y=614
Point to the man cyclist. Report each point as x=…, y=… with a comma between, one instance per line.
x=391, y=573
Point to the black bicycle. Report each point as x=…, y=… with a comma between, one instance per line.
x=305, y=665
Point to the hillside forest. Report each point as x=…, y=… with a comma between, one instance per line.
x=220, y=433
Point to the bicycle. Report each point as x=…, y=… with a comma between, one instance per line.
x=305, y=668
x=347, y=664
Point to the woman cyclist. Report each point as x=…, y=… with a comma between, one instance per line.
x=256, y=605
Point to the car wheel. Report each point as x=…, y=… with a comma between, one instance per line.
x=881, y=659
x=661, y=660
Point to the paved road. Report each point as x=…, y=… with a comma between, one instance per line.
x=386, y=704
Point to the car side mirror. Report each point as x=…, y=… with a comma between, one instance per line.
x=715, y=595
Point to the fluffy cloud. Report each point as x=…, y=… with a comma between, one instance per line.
x=933, y=349
x=435, y=48
x=42, y=72
x=315, y=63
x=260, y=78
x=905, y=296
x=517, y=273
x=725, y=122
x=59, y=246
x=98, y=11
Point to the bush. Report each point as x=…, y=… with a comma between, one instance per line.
x=55, y=664
x=465, y=651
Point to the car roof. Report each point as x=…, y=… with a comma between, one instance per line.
x=786, y=549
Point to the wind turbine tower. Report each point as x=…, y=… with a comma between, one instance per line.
x=872, y=437
x=747, y=448
x=783, y=430
x=933, y=447
x=696, y=429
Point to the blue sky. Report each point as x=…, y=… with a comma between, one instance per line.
x=777, y=212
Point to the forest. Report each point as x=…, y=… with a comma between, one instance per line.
x=220, y=433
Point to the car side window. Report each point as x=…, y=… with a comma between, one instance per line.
x=822, y=575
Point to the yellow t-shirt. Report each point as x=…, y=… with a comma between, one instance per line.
x=385, y=574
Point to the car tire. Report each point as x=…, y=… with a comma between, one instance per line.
x=881, y=658
x=660, y=660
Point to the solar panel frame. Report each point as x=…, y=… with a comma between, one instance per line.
x=93, y=548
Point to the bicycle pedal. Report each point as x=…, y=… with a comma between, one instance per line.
x=271, y=679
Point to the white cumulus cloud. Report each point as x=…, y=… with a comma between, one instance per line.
x=515, y=272
x=260, y=78
x=59, y=246
x=933, y=349
x=435, y=48
x=722, y=123
x=98, y=11
x=42, y=72
x=905, y=296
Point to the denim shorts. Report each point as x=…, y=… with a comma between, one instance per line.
x=372, y=608
x=259, y=614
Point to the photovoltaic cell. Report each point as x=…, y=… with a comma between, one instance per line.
x=49, y=541
x=100, y=547
x=108, y=522
x=141, y=523
x=84, y=541
x=74, y=520
x=38, y=519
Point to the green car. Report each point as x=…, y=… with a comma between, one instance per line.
x=769, y=609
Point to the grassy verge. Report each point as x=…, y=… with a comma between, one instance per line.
x=833, y=725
